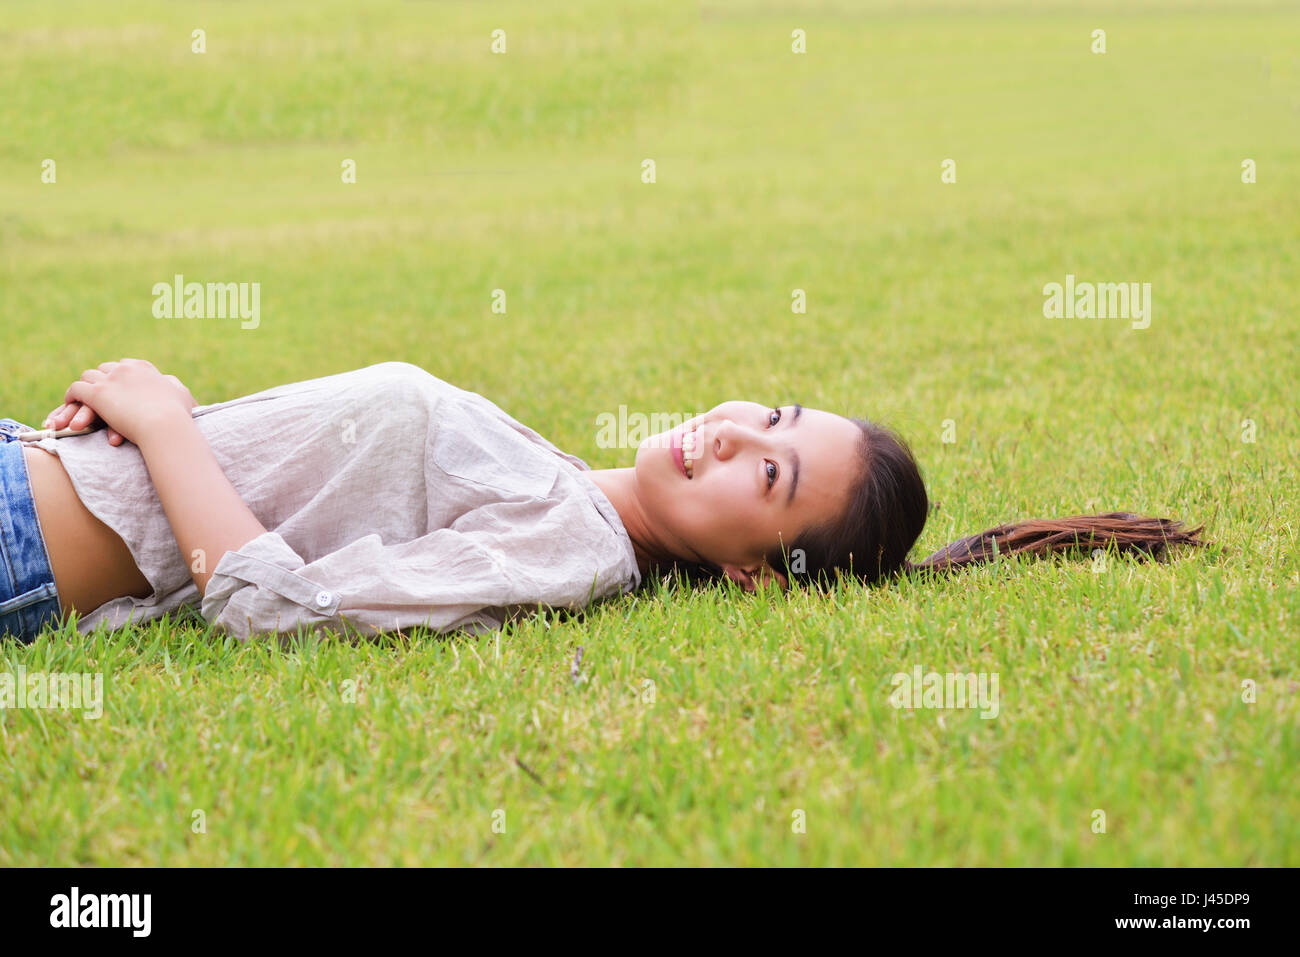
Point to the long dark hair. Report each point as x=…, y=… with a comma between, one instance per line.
x=887, y=510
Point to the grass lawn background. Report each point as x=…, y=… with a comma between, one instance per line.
x=705, y=719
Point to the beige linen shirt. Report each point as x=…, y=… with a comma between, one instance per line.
x=391, y=499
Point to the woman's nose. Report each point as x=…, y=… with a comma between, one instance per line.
x=729, y=437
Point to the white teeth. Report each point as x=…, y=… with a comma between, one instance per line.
x=688, y=453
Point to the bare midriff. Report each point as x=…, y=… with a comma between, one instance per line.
x=90, y=562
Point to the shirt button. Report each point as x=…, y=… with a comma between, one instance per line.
x=323, y=599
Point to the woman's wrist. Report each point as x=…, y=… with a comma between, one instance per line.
x=162, y=427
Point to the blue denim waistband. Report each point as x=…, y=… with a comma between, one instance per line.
x=28, y=599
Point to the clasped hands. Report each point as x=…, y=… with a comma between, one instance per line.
x=130, y=397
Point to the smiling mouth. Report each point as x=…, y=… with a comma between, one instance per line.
x=688, y=453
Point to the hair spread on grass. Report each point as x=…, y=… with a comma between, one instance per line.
x=887, y=511
x=888, y=508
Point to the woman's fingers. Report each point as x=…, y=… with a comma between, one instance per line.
x=77, y=389
x=74, y=413
x=83, y=419
x=66, y=416
x=60, y=417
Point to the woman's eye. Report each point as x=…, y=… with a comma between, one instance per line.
x=777, y=414
x=771, y=473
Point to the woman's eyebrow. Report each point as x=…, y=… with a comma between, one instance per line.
x=794, y=458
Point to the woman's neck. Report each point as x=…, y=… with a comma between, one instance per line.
x=619, y=486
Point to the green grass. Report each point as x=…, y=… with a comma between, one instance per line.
x=1121, y=687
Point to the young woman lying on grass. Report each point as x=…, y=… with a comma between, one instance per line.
x=386, y=498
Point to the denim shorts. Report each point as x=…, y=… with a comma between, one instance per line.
x=28, y=599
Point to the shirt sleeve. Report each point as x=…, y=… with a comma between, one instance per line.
x=446, y=580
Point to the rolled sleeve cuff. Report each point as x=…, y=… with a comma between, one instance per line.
x=266, y=562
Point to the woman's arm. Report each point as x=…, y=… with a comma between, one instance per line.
x=207, y=516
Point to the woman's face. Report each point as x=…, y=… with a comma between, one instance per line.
x=730, y=485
